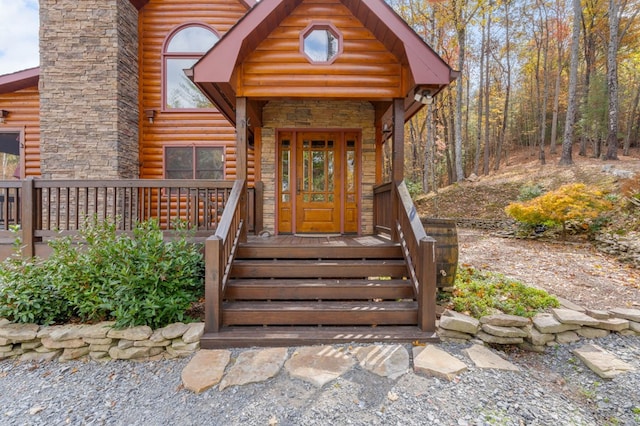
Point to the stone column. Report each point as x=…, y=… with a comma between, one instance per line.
x=88, y=89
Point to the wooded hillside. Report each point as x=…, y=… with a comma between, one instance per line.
x=549, y=76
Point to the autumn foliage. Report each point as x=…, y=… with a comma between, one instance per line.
x=572, y=202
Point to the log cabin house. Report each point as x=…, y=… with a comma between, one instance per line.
x=260, y=124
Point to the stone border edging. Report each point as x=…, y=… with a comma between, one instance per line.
x=102, y=342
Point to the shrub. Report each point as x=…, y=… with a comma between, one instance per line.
x=136, y=279
x=567, y=203
x=485, y=293
x=528, y=192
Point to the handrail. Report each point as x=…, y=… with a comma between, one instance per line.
x=419, y=252
x=220, y=250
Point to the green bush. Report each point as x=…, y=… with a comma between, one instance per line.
x=481, y=293
x=136, y=279
x=530, y=191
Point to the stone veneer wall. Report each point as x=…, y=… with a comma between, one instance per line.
x=88, y=89
x=319, y=114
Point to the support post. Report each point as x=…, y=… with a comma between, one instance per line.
x=428, y=286
x=29, y=210
x=397, y=161
x=242, y=133
x=212, y=285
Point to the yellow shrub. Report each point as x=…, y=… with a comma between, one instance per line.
x=567, y=203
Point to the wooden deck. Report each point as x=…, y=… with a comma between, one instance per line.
x=319, y=240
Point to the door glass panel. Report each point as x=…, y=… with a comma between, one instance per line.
x=330, y=175
x=319, y=166
x=306, y=158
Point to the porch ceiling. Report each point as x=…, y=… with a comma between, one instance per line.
x=215, y=73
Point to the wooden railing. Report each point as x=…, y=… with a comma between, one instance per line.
x=44, y=209
x=220, y=250
x=395, y=213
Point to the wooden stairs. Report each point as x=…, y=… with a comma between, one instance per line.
x=282, y=295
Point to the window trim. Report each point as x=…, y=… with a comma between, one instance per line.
x=322, y=25
x=193, y=148
x=181, y=55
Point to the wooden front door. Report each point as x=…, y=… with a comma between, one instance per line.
x=318, y=182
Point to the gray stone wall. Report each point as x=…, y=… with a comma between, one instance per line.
x=319, y=114
x=88, y=89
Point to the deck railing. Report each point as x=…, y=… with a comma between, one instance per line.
x=220, y=250
x=403, y=223
x=45, y=209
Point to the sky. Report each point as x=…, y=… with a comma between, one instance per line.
x=18, y=35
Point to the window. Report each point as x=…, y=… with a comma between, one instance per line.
x=182, y=50
x=321, y=43
x=194, y=162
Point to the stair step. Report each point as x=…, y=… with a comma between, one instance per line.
x=248, y=336
x=247, y=251
x=251, y=268
x=309, y=289
x=315, y=313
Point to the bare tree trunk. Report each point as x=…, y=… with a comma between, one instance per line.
x=612, y=81
x=545, y=84
x=632, y=122
x=567, y=142
x=462, y=36
x=556, y=104
x=476, y=165
x=505, y=111
x=428, y=166
x=487, y=87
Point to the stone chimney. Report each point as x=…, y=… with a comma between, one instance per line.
x=89, y=114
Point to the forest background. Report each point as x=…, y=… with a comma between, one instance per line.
x=550, y=76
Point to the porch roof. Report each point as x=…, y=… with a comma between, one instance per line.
x=19, y=80
x=214, y=73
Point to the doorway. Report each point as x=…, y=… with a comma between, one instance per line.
x=318, y=181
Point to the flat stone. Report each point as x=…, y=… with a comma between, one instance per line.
x=142, y=332
x=602, y=362
x=4, y=341
x=567, y=304
x=205, y=370
x=99, y=356
x=28, y=346
x=67, y=332
x=126, y=344
x=70, y=354
x=452, y=320
x=4, y=321
x=537, y=339
x=629, y=333
x=547, y=324
x=505, y=320
x=19, y=332
x=567, y=337
x=634, y=326
x=318, y=365
x=6, y=348
x=484, y=357
x=598, y=314
x=527, y=346
x=254, y=366
x=180, y=345
x=173, y=331
x=151, y=344
x=17, y=351
x=194, y=333
x=436, y=362
x=384, y=360
x=501, y=331
x=568, y=316
x=612, y=324
x=40, y=357
x=98, y=341
x=592, y=333
x=129, y=353
x=99, y=348
x=489, y=338
x=625, y=313
x=62, y=344
x=451, y=334
x=97, y=331
x=175, y=353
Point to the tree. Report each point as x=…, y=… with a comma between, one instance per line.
x=567, y=142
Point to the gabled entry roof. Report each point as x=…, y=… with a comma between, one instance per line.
x=19, y=80
x=215, y=72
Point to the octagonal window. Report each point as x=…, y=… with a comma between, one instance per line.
x=321, y=43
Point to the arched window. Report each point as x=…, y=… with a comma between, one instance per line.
x=182, y=49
